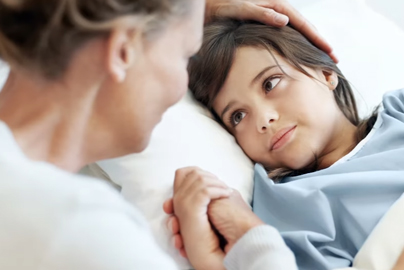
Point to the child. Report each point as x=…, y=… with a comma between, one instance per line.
x=292, y=111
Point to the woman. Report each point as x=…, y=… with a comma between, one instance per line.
x=89, y=80
x=291, y=110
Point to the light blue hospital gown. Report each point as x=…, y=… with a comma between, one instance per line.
x=326, y=216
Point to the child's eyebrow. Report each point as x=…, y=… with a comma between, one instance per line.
x=258, y=77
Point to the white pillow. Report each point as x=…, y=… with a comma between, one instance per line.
x=187, y=136
x=370, y=51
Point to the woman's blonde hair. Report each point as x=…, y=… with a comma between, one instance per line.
x=42, y=35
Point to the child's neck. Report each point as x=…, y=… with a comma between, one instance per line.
x=344, y=141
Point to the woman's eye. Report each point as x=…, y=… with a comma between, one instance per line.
x=237, y=117
x=271, y=83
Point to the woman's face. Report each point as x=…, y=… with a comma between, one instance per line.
x=280, y=121
x=156, y=81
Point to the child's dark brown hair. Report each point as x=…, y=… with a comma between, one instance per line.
x=210, y=67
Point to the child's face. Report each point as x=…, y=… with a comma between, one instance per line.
x=280, y=121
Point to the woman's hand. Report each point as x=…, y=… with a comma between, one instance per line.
x=231, y=217
x=194, y=190
x=271, y=12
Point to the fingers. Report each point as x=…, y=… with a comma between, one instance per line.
x=177, y=240
x=274, y=18
x=311, y=33
x=173, y=224
x=264, y=15
x=180, y=176
x=184, y=175
x=334, y=57
x=205, y=187
x=179, y=245
x=183, y=253
x=212, y=193
x=168, y=206
x=303, y=26
x=275, y=13
x=194, y=189
x=203, y=179
x=187, y=177
x=244, y=10
x=194, y=202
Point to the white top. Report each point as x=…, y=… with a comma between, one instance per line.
x=361, y=144
x=51, y=219
x=54, y=220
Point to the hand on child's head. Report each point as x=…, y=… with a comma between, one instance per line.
x=272, y=12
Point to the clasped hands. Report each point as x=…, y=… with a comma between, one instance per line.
x=201, y=206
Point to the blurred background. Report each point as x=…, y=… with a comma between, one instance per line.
x=392, y=9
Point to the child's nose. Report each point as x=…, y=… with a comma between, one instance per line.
x=265, y=122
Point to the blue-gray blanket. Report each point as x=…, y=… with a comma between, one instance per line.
x=326, y=216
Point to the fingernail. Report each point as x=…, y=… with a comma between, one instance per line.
x=231, y=190
x=173, y=242
x=334, y=57
x=281, y=19
x=170, y=225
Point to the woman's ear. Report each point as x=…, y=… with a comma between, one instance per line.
x=331, y=79
x=121, y=53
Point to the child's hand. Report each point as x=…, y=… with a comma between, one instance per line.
x=194, y=190
x=271, y=12
x=231, y=217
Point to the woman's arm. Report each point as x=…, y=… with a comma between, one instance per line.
x=261, y=248
x=251, y=245
x=100, y=237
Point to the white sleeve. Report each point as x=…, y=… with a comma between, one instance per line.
x=261, y=248
x=103, y=240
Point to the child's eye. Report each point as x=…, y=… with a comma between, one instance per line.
x=236, y=118
x=271, y=83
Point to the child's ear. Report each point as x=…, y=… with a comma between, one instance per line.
x=331, y=79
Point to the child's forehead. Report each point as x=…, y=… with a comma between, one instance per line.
x=254, y=55
x=253, y=59
x=250, y=60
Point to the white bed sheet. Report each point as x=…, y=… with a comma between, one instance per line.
x=385, y=244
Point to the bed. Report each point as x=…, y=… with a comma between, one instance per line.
x=368, y=44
